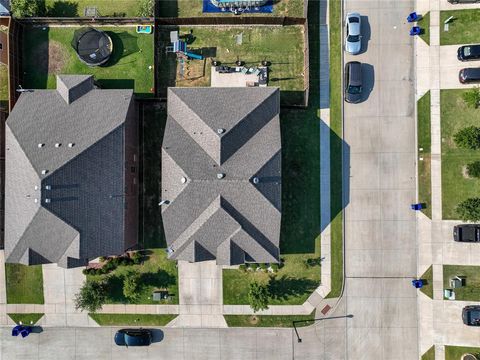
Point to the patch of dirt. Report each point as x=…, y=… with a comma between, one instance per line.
x=253, y=320
x=50, y=56
x=465, y=172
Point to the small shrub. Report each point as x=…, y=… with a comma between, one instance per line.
x=102, y=258
x=115, y=261
x=25, y=8
x=137, y=258
x=274, y=267
x=254, y=266
x=242, y=267
x=86, y=271
x=473, y=169
x=264, y=267
x=472, y=97
x=131, y=285
x=469, y=210
x=468, y=138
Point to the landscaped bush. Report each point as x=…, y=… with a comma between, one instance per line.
x=25, y=8
x=254, y=266
x=473, y=169
x=469, y=210
x=468, y=138
x=258, y=296
x=472, y=97
x=137, y=257
x=274, y=267
x=242, y=267
x=264, y=267
x=131, y=285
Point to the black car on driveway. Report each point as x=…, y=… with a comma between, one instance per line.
x=133, y=337
x=471, y=315
x=469, y=75
x=468, y=52
x=466, y=233
x=353, y=82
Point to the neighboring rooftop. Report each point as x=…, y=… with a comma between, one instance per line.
x=221, y=174
x=4, y=7
x=65, y=173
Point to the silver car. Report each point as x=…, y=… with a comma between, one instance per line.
x=353, y=37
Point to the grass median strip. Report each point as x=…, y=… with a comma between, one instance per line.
x=26, y=319
x=424, y=24
x=456, y=352
x=268, y=320
x=24, y=284
x=132, y=319
x=424, y=143
x=427, y=288
x=429, y=354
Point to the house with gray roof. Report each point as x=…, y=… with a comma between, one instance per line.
x=221, y=175
x=4, y=7
x=71, y=174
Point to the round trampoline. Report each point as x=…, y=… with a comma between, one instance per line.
x=93, y=47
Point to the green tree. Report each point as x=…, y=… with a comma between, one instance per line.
x=131, y=285
x=468, y=138
x=25, y=8
x=473, y=169
x=258, y=296
x=469, y=210
x=146, y=8
x=91, y=296
x=472, y=97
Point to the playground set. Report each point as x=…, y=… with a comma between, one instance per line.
x=180, y=48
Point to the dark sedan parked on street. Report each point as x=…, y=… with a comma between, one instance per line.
x=353, y=82
x=471, y=315
x=133, y=337
x=468, y=52
x=466, y=233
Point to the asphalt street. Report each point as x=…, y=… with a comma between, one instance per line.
x=380, y=228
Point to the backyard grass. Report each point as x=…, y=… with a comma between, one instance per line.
x=3, y=86
x=281, y=46
x=26, y=319
x=157, y=272
x=336, y=149
x=153, y=119
x=292, y=285
x=463, y=29
x=132, y=319
x=456, y=185
x=267, y=320
x=189, y=8
x=24, y=284
x=73, y=8
x=471, y=290
x=49, y=52
x=427, y=288
x=424, y=142
x=424, y=24
x=429, y=354
x=456, y=352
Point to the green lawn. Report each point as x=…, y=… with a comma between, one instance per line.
x=336, y=147
x=3, y=86
x=470, y=292
x=424, y=142
x=73, y=8
x=292, y=285
x=24, y=284
x=189, y=8
x=427, y=288
x=267, y=320
x=424, y=23
x=49, y=52
x=456, y=187
x=463, y=29
x=456, y=352
x=157, y=272
x=429, y=354
x=26, y=319
x=132, y=319
x=282, y=46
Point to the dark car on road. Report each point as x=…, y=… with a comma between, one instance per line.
x=466, y=233
x=469, y=75
x=468, y=52
x=471, y=315
x=353, y=82
x=133, y=337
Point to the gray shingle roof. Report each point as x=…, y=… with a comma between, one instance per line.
x=229, y=131
x=64, y=203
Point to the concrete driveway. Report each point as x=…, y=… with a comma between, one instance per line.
x=450, y=67
x=380, y=234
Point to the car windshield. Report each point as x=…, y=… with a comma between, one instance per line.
x=353, y=20
x=136, y=339
x=353, y=38
x=467, y=51
x=354, y=89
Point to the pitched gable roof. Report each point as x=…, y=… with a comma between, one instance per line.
x=221, y=173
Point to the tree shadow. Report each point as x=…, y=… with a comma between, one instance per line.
x=283, y=287
x=124, y=44
x=366, y=33
x=63, y=9
x=160, y=279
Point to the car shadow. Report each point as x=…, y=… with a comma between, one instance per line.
x=365, y=31
x=157, y=335
x=368, y=79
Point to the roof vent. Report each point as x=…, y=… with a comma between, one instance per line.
x=256, y=180
x=57, y=145
x=41, y=145
x=220, y=176
x=70, y=145
x=220, y=131
x=36, y=187
x=48, y=187
x=164, y=202
x=48, y=201
x=183, y=180
x=35, y=200
x=44, y=172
